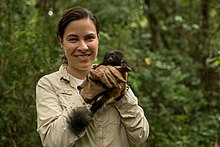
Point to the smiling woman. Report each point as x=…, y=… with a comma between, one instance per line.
x=57, y=96
x=80, y=45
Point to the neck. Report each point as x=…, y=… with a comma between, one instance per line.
x=79, y=74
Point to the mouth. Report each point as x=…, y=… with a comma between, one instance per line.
x=82, y=56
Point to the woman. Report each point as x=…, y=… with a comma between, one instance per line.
x=57, y=96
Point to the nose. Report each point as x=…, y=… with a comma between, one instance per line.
x=83, y=46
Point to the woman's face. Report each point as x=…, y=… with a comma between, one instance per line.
x=80, y=45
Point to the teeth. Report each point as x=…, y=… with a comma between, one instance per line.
x=82, y=55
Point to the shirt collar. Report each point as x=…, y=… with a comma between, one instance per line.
x=63, y=73
x=66, y=77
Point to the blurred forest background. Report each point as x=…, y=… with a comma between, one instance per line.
x=173, y=47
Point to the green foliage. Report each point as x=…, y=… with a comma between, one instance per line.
x=172, y=47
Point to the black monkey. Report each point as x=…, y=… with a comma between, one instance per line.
x=114, y=58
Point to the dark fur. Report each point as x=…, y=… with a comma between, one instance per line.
x=80, y=118
x=114, y=58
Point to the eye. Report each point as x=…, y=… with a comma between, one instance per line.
x=89, y=38
x=73, y=39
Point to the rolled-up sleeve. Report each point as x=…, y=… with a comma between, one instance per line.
x=133, y=118
x=51, y=117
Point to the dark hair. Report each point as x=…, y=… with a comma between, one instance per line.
x=72, y=14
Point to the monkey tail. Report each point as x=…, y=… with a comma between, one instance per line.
x=79, y=119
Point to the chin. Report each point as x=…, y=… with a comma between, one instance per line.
x=86, y=67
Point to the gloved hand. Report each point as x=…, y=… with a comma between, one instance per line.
x=113, y=79
x=103, y=80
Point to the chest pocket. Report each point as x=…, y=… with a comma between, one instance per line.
x=69, y=97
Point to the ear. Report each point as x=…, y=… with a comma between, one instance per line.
x=98, y=36
x=60, y=41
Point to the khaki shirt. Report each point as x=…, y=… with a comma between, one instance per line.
x=114, y=125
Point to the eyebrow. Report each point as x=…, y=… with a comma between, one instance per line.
x=91, y=34
x=73, y=35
